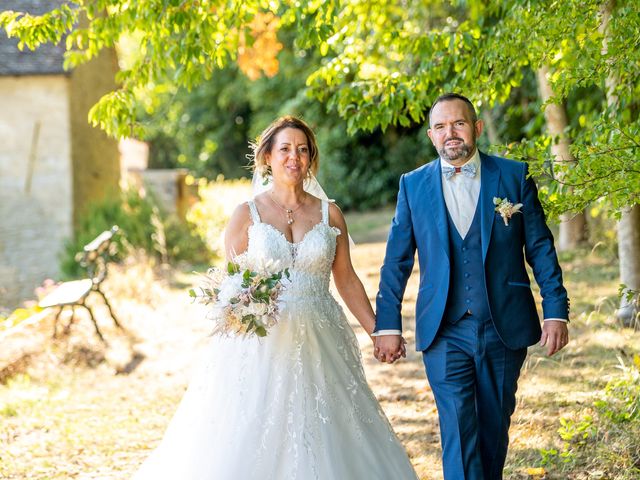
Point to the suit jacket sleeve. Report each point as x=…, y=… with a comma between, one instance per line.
x=541, y=253
x=397, y=266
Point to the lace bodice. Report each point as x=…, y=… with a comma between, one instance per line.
x=309, y=260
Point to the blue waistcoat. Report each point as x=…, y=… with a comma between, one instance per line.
x=467, y=288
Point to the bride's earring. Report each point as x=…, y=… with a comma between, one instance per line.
x=266, y=174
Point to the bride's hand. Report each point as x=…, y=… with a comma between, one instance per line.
x=403, y=348
x=389, y=348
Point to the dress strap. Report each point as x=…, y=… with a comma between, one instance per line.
x=325, y=211
x=255, y=216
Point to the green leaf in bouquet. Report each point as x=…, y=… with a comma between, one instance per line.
x=234, y=300
x=233, y=268
x=256, y=294
x=250, y=322
x=192, y=293
x=261, y=331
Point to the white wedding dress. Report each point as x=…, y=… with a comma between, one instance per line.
x=294, y=405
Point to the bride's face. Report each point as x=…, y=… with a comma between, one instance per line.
x=289, y=157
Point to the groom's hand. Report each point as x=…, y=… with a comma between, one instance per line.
x=555, y=335
x=389, y=348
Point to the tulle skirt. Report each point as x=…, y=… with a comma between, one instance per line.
x=292, y=405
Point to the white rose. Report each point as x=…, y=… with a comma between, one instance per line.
x=257, y=309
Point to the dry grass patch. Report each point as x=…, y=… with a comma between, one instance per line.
x=76, y=411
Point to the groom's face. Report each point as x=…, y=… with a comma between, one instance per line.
x=453, y=131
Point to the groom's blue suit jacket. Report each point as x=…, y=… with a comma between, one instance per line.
x=420, y=222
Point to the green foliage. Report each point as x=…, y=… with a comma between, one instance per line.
x=383, y=68
x=607, y=441
x=183, y=41
x=183, y=244
x=34, y=30
x=362, y=172
x=206, y=130
x=621, y=403
x=142, y=226
x=606, y=167
x=379, y=64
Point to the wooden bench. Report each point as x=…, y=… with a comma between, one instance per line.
x=94, y=257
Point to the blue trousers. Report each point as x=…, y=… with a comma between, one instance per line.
x=474, y=377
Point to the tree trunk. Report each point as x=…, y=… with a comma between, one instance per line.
x=629, y=224
x=95, y=156
x=629, y=254
x=573, y=227
x=490, y=127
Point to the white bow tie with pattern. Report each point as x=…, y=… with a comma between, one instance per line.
x=468, y=170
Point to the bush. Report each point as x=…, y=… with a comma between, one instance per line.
x=607, y=441
x=210, y=215
x=142, y=226
x=363, y=172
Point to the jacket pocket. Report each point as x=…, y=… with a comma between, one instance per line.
x=519, y=284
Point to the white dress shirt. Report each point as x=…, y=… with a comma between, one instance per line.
x=461, y=194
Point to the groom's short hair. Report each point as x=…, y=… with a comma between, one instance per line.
x=455, y=96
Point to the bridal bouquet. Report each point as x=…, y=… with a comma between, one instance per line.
x=243, y=299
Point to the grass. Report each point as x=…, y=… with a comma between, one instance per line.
x=78, y=410
x=368, y=227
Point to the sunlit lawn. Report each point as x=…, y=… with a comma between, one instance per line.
x=78, y=410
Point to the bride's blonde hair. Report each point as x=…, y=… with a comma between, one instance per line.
x=264, y=143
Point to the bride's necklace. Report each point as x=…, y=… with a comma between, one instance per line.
x=288, y=211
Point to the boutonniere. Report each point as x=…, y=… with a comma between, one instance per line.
x=505, y=208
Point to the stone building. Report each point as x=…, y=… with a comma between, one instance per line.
x=52, y=162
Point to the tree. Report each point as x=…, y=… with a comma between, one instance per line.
x=573, y=226
x=385, y=67
x=206, y=129
x=629, y=223
x=385, y=61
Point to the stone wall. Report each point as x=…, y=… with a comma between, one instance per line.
x=35, y=182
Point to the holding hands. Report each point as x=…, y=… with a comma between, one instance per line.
x=389, y=348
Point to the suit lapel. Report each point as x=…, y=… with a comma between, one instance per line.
x=490, y=180
x=433, y=187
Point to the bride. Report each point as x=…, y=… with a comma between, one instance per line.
x=295, y=404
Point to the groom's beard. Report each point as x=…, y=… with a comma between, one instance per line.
x=457, y=152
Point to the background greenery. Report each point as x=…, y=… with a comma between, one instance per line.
x=199, y=78
x=142, y=225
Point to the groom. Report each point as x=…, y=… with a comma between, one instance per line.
x=475, y=313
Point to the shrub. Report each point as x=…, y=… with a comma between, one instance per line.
x=606, y=442
x=142, y=226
